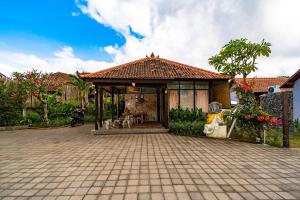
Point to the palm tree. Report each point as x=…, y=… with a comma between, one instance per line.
x=83, y=87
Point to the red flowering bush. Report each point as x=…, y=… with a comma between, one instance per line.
x=249, y=114
x=40, y=85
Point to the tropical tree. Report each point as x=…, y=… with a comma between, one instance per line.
x=83, y=87
x=239, y=56
x=43, y=86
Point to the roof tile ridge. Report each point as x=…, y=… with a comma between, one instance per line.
x=186, y=65
x=116, y=67
x=190, y=66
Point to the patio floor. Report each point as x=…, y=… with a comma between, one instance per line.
x=71, y=163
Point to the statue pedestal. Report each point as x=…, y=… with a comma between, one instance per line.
x=219, y=132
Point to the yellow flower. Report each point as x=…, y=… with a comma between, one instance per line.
x=210, y=118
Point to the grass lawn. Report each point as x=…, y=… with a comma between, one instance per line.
x=274, y=138
x=295, y=140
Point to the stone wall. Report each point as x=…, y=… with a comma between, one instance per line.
x=149, y=105
x=272, y=103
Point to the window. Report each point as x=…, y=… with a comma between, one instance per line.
x=189, y=94
x=187, y=85
x=201, y=85
x=202, y=100
x=173, y=85
x=173, y=99
x=187, y=99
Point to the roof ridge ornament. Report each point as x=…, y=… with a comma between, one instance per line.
x=152, y=56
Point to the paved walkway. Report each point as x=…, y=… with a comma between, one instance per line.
x=70, y=163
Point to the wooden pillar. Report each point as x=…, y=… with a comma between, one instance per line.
x=285, y=119
x=179, y=104
x=112, y=103
x=165, y=107
x=194, y=91
x=118, y=104
x=158, y=104
x=166, y=95
x=101, y=107
x=97, y=107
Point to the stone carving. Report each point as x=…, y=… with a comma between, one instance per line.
x=214, y=107
x=215, y=124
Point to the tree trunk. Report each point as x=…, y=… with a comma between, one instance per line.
x=82, y=99
x=244, y=78
x=45, y=106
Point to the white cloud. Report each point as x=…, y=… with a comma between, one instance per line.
x=75, y=14
x=62, y=60
x=193, y=30
x=187, y=31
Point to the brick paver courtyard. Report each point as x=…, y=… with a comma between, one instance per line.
x=70, y=163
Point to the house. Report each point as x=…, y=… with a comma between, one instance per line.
x=260, y=85
x=154, y=85
x=3, y=77
x=294, y=83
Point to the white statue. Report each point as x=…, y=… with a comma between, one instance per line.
x=215, y=123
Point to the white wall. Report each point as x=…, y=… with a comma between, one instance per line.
x=296, y=100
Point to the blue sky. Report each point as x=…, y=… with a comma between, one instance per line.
x=90, y=35
x=41, y=27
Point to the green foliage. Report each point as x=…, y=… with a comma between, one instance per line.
x=61, y=110
x=274, y=137
x=187, y=122
x=33, y=118
x=83, y=86
x=238, y=57
x=243, y=134
x=248, y=113
x=186, y=115
x=41, y=85
x=74, y=103
x=91, y=110
x=89, y=118
x=187, y=128
x=12, y=99
x=297, y=125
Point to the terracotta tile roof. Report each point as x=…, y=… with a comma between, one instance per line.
x=3, y=77
x=290, y=82
x=154, y=68
x=60, y=76
x=261, y=85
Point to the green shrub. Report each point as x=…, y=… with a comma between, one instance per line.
x=61, y=110
x=89, y=118
x=187, y=122
x=243, y=134
x=274, y=137
x=91, y=109
x=33, y=118
x=75, y=103
x=186, y=115
x=12, y=98
x=187, y=128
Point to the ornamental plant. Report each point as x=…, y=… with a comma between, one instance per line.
x=238, y=57
x=12, y=101
x=249, y=113
x=43, y=86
